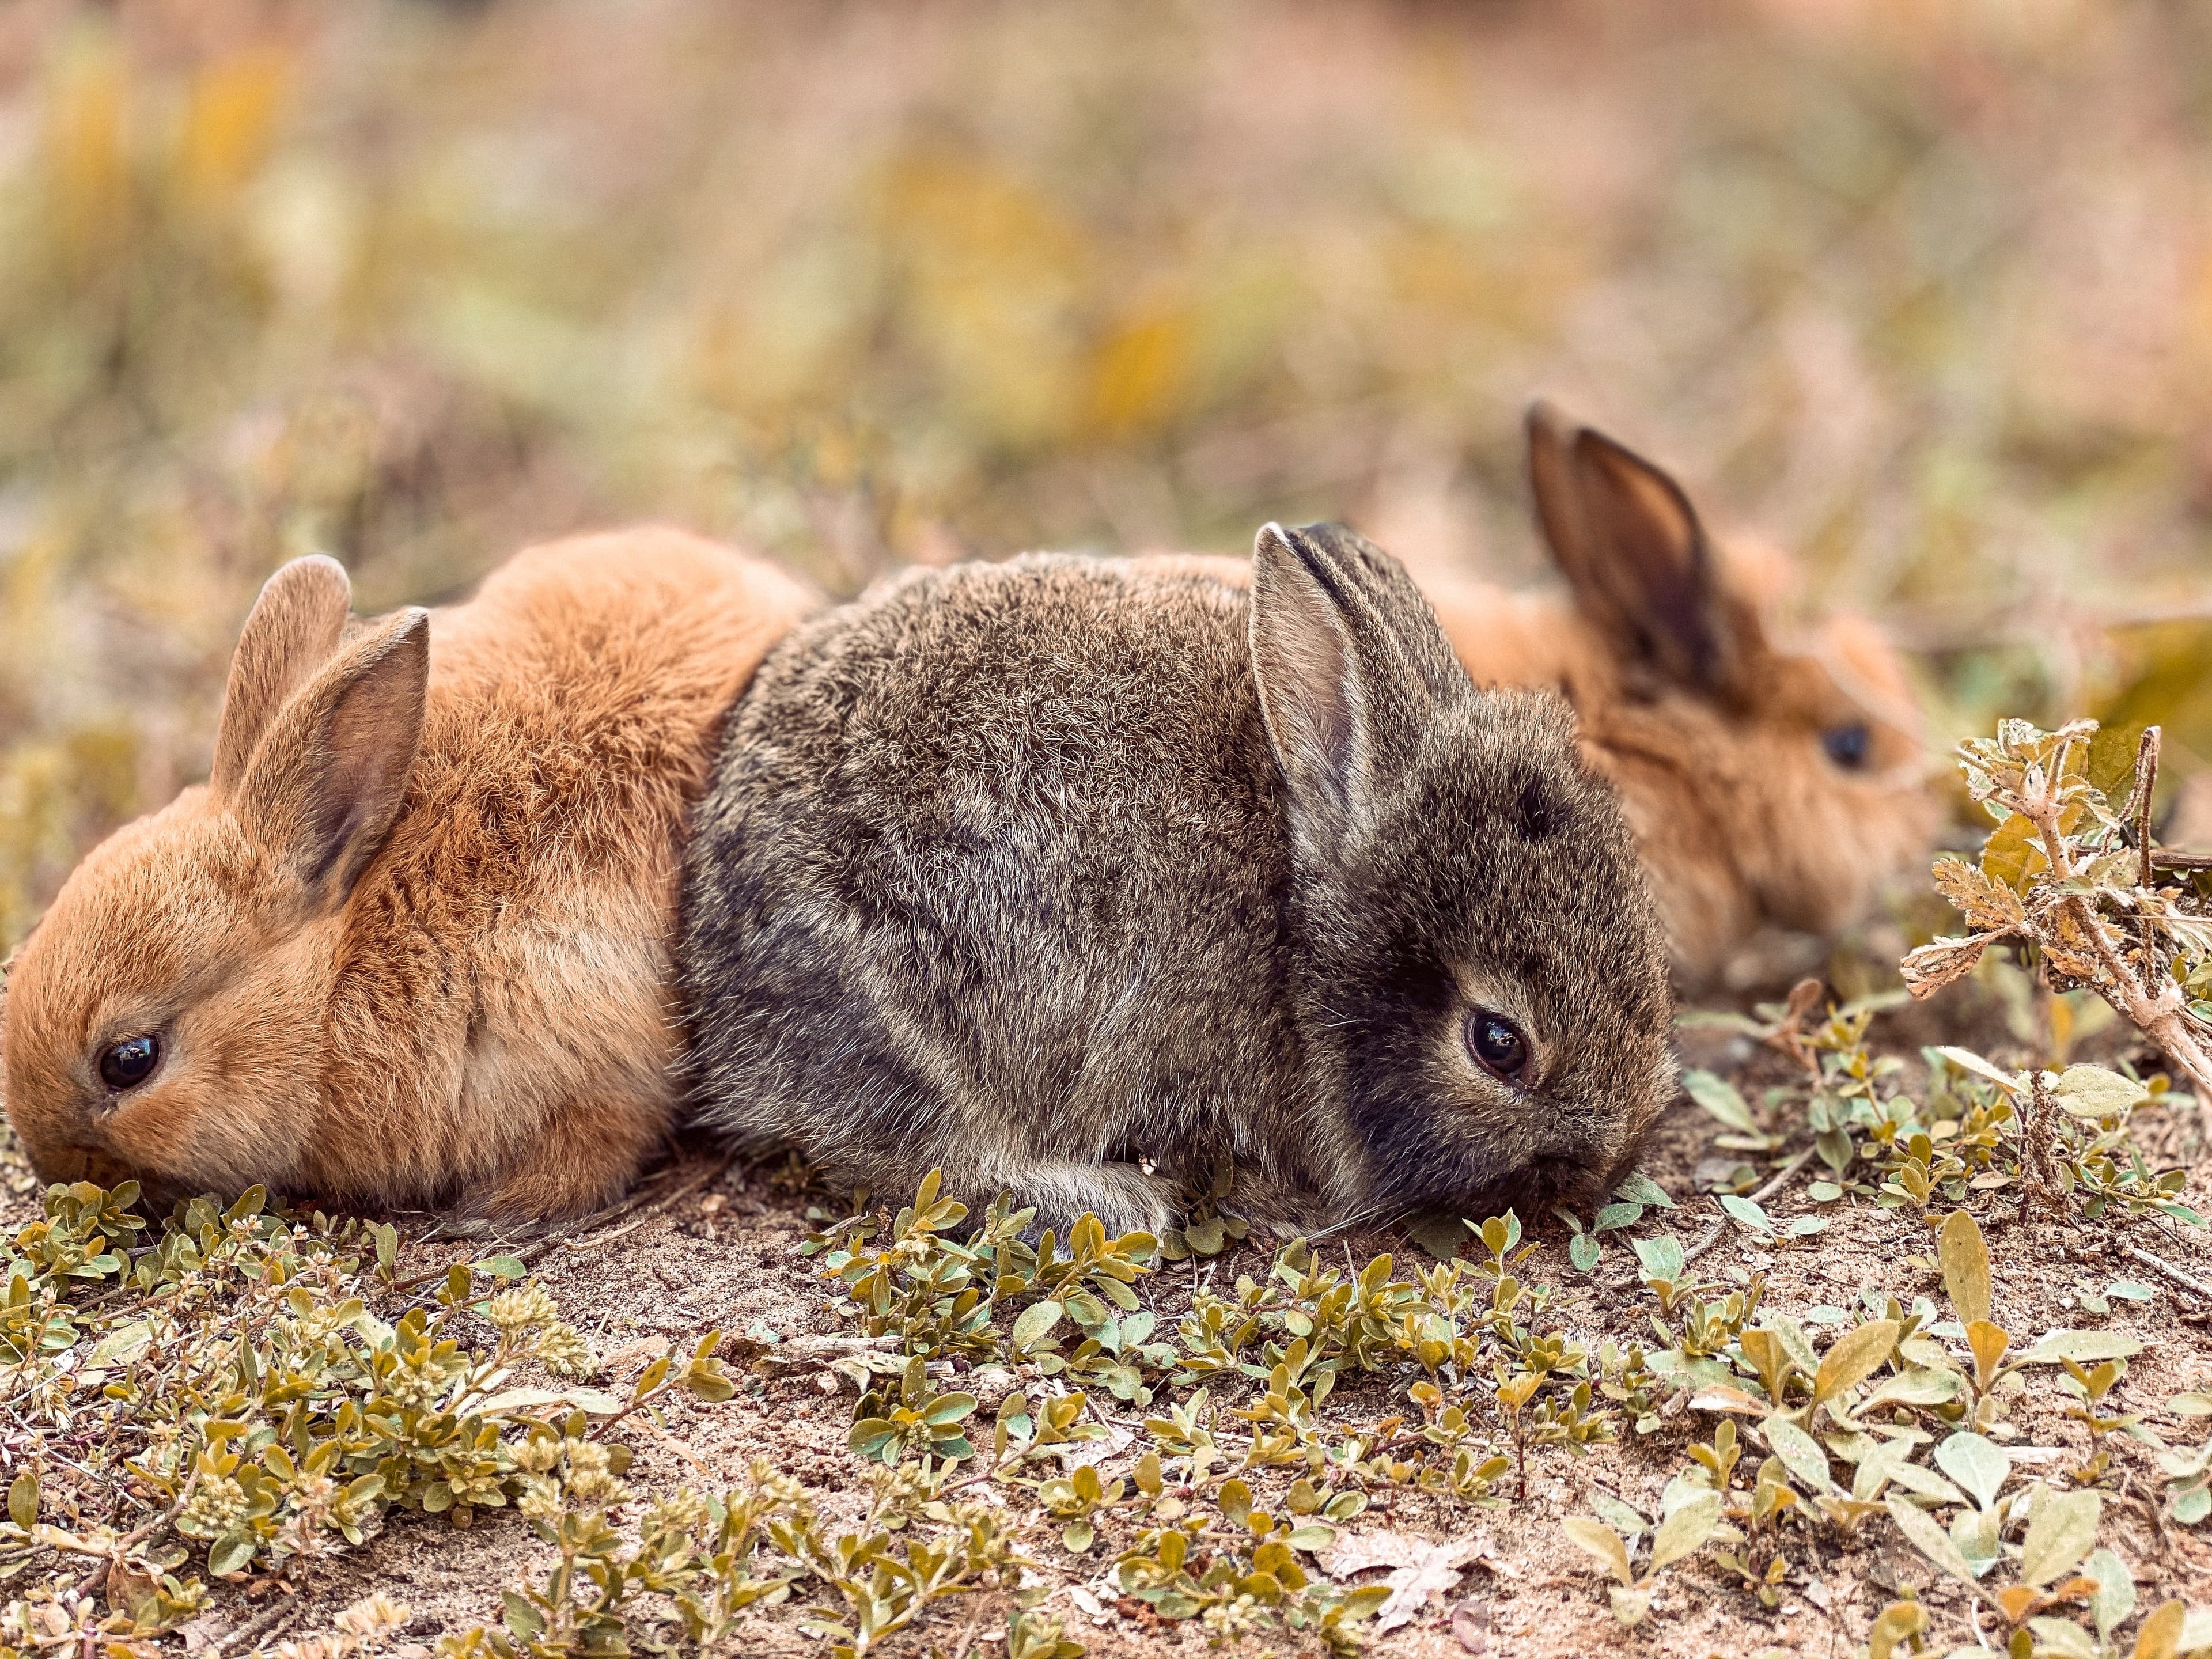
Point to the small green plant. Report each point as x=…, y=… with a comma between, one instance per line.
x=1683, y=1530
x=2072, y=872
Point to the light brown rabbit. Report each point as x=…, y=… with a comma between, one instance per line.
x=1764, y=783
x=410, y=943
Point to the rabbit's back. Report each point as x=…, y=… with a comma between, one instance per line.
x=993, y=861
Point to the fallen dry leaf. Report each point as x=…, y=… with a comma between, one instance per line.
x=1421, y=1569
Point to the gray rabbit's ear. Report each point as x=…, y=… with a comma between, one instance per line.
x=1349, y=659
x=1629, y=543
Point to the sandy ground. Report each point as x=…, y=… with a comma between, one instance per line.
x=723, y=1257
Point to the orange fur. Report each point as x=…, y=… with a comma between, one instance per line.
x=468, y=1005
x=1712, y=732
x=1739, y=817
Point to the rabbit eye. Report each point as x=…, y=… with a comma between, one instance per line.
x=1846, y=745
x=1497, y=1043
x=127, y=1064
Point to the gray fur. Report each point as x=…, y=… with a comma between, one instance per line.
x=1022, y=870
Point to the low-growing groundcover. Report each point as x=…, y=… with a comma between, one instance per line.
x=1896, y=1345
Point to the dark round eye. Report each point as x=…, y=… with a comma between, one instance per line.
x=1497, y=1043
x=127, y=1064
x=1846, y=745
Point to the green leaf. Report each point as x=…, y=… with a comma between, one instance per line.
x=1965, y=1259
x=1875, y=1468
x=870, y=1435
x=1823, y=1192
x=23, y=1500
x=121, y=1345
x=2115, y=1598
x=1440, y=1234
x=949, y=1408
x=1614, y=1215
x=1583, y=1251
x=2061, y=1530
x=1922, y=1531
x=2012, y=847
x=1980, y=1466
x=1313, y=1536
x=1595, y=1537
x=1617, y=1515
x=1686, y=1528
x=1974, y=1535
x=2092, y=1091
x=1719, y=1098
x=522, y=1619
x=1747, y=1214
x=2061, y=1638
x=1629, y=1605
x=1967, y=1060
x=1641, y=1189
x=1660, y=1257
x=1914, y=1478
x=1853, y=1359
x=1207, y=1236
x=504, y=1267
x=1235, y=1500
x=1800, y=1454
x=2083, y=1347
x=2111, y=762
x=1036, y=1323
x=231, y=1551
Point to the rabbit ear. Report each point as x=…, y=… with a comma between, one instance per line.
x=1629, y=544
x=1348, y=657
x=327, y=779
x=293, y=630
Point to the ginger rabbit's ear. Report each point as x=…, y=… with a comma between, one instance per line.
x=329, y=775
x=1629, y=544
x=292, y=630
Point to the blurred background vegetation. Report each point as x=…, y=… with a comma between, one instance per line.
x=1918, y=289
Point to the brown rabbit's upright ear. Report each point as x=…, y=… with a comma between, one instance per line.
x=293, y=630
x=328, y=776
x=1629, y=544
x=1348, y=657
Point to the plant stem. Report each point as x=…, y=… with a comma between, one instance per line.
x=2160, y=1265
x=2145, y=782
x=2038, y=1165
x=1781, y=1179
x=90, y=1584
x=2156, y=1014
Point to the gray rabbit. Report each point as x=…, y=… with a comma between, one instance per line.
x=1089, y=879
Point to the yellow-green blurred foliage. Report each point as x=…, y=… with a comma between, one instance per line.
x=1921, y=290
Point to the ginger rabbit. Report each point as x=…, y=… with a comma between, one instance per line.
x=410, y=945
x=1764, y=784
